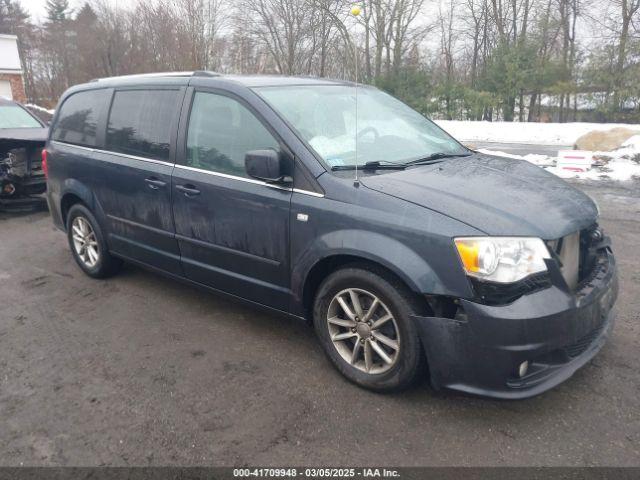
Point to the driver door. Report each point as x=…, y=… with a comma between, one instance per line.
x=233, y=231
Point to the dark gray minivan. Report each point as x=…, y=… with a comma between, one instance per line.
x=411, y=254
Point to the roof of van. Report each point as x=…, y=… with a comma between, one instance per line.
x=246, y=80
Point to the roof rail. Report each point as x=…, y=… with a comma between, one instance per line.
x=148, y=75
x=205, y=73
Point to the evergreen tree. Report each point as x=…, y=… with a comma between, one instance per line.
x=58, y=11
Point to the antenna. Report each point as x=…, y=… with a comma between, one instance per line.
x=355, y=11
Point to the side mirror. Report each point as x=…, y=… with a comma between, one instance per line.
x=266, y=165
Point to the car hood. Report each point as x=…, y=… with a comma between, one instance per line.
x=498, y=196
x=26, y=134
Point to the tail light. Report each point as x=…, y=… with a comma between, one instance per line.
x=45, y=167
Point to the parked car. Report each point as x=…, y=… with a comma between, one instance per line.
x=405, y=249
x=22, y=137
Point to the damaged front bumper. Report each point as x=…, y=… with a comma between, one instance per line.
x=480, y=350
x=22, y=181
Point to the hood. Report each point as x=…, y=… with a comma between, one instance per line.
x=24, y=134
x=498, y=196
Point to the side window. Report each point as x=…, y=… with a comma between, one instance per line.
x=221, y=131
x=78, y=118
x=140, y=122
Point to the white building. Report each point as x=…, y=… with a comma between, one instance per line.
x=11, y=80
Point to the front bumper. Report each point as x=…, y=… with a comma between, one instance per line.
x=557, y=331
x=27, y=192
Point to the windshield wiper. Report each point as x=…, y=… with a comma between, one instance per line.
x=377, y=165
x=435, y=158
x=387, y=165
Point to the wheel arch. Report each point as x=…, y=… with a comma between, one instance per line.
x=68, y=201
x=329, y=264
x=75, y=192
x=338, y=248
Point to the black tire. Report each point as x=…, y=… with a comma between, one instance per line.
x=410, y=362
x=106, y=265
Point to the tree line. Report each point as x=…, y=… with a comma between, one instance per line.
x=512, y=60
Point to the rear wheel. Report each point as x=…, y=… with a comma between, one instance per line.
x=87, y=244
x=363, y=320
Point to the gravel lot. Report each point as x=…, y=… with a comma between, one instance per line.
x=141, y=370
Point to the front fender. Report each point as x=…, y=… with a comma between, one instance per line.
x=386, y=251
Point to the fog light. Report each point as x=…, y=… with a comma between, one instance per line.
x=522, y=369
x=8, y=189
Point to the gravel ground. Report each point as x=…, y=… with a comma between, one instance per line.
x=142, y=370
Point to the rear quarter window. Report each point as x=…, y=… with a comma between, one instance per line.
x=140, y=122
x=77, y=121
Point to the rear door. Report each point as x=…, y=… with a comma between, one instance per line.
x=133, y=177
x=233, y=230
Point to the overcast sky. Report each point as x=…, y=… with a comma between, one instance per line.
x=37, y=7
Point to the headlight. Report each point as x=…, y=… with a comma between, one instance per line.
x=502, y=259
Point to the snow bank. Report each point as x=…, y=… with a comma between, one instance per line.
x=616, y=169
x=622, y=164
x=564, y=134
x=540, y=160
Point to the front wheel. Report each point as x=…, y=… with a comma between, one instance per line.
x=363, y=319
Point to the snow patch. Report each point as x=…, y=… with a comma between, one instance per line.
x=540, y=160
x=633, y=143
x=620, y=170
x=564, y=134
x=621, y=165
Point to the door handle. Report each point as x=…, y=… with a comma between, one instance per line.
x=154, y=183
x=188, y=190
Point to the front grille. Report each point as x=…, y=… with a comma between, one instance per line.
x=590, y=239
x=576, y=255
x=576, y=349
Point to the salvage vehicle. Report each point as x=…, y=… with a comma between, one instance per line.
x=410, y=254
x=22, y=137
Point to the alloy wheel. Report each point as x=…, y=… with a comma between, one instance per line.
x=85, y=242
x=363, y=331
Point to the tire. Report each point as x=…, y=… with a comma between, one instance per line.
x=408, y=361
x=82, y=224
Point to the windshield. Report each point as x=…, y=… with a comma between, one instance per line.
x=388, y=130
x=13, y=116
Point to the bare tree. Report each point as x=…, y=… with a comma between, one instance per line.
x=628, y=10
x=448, y=37
x=283, y=28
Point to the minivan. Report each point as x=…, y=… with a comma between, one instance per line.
x=335, y=203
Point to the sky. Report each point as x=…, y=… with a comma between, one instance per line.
x=37, y=7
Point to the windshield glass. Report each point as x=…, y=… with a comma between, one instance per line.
x=13, y=116
x=388, y=130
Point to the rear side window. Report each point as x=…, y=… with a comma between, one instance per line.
x=140, y=122
x=78, y=118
